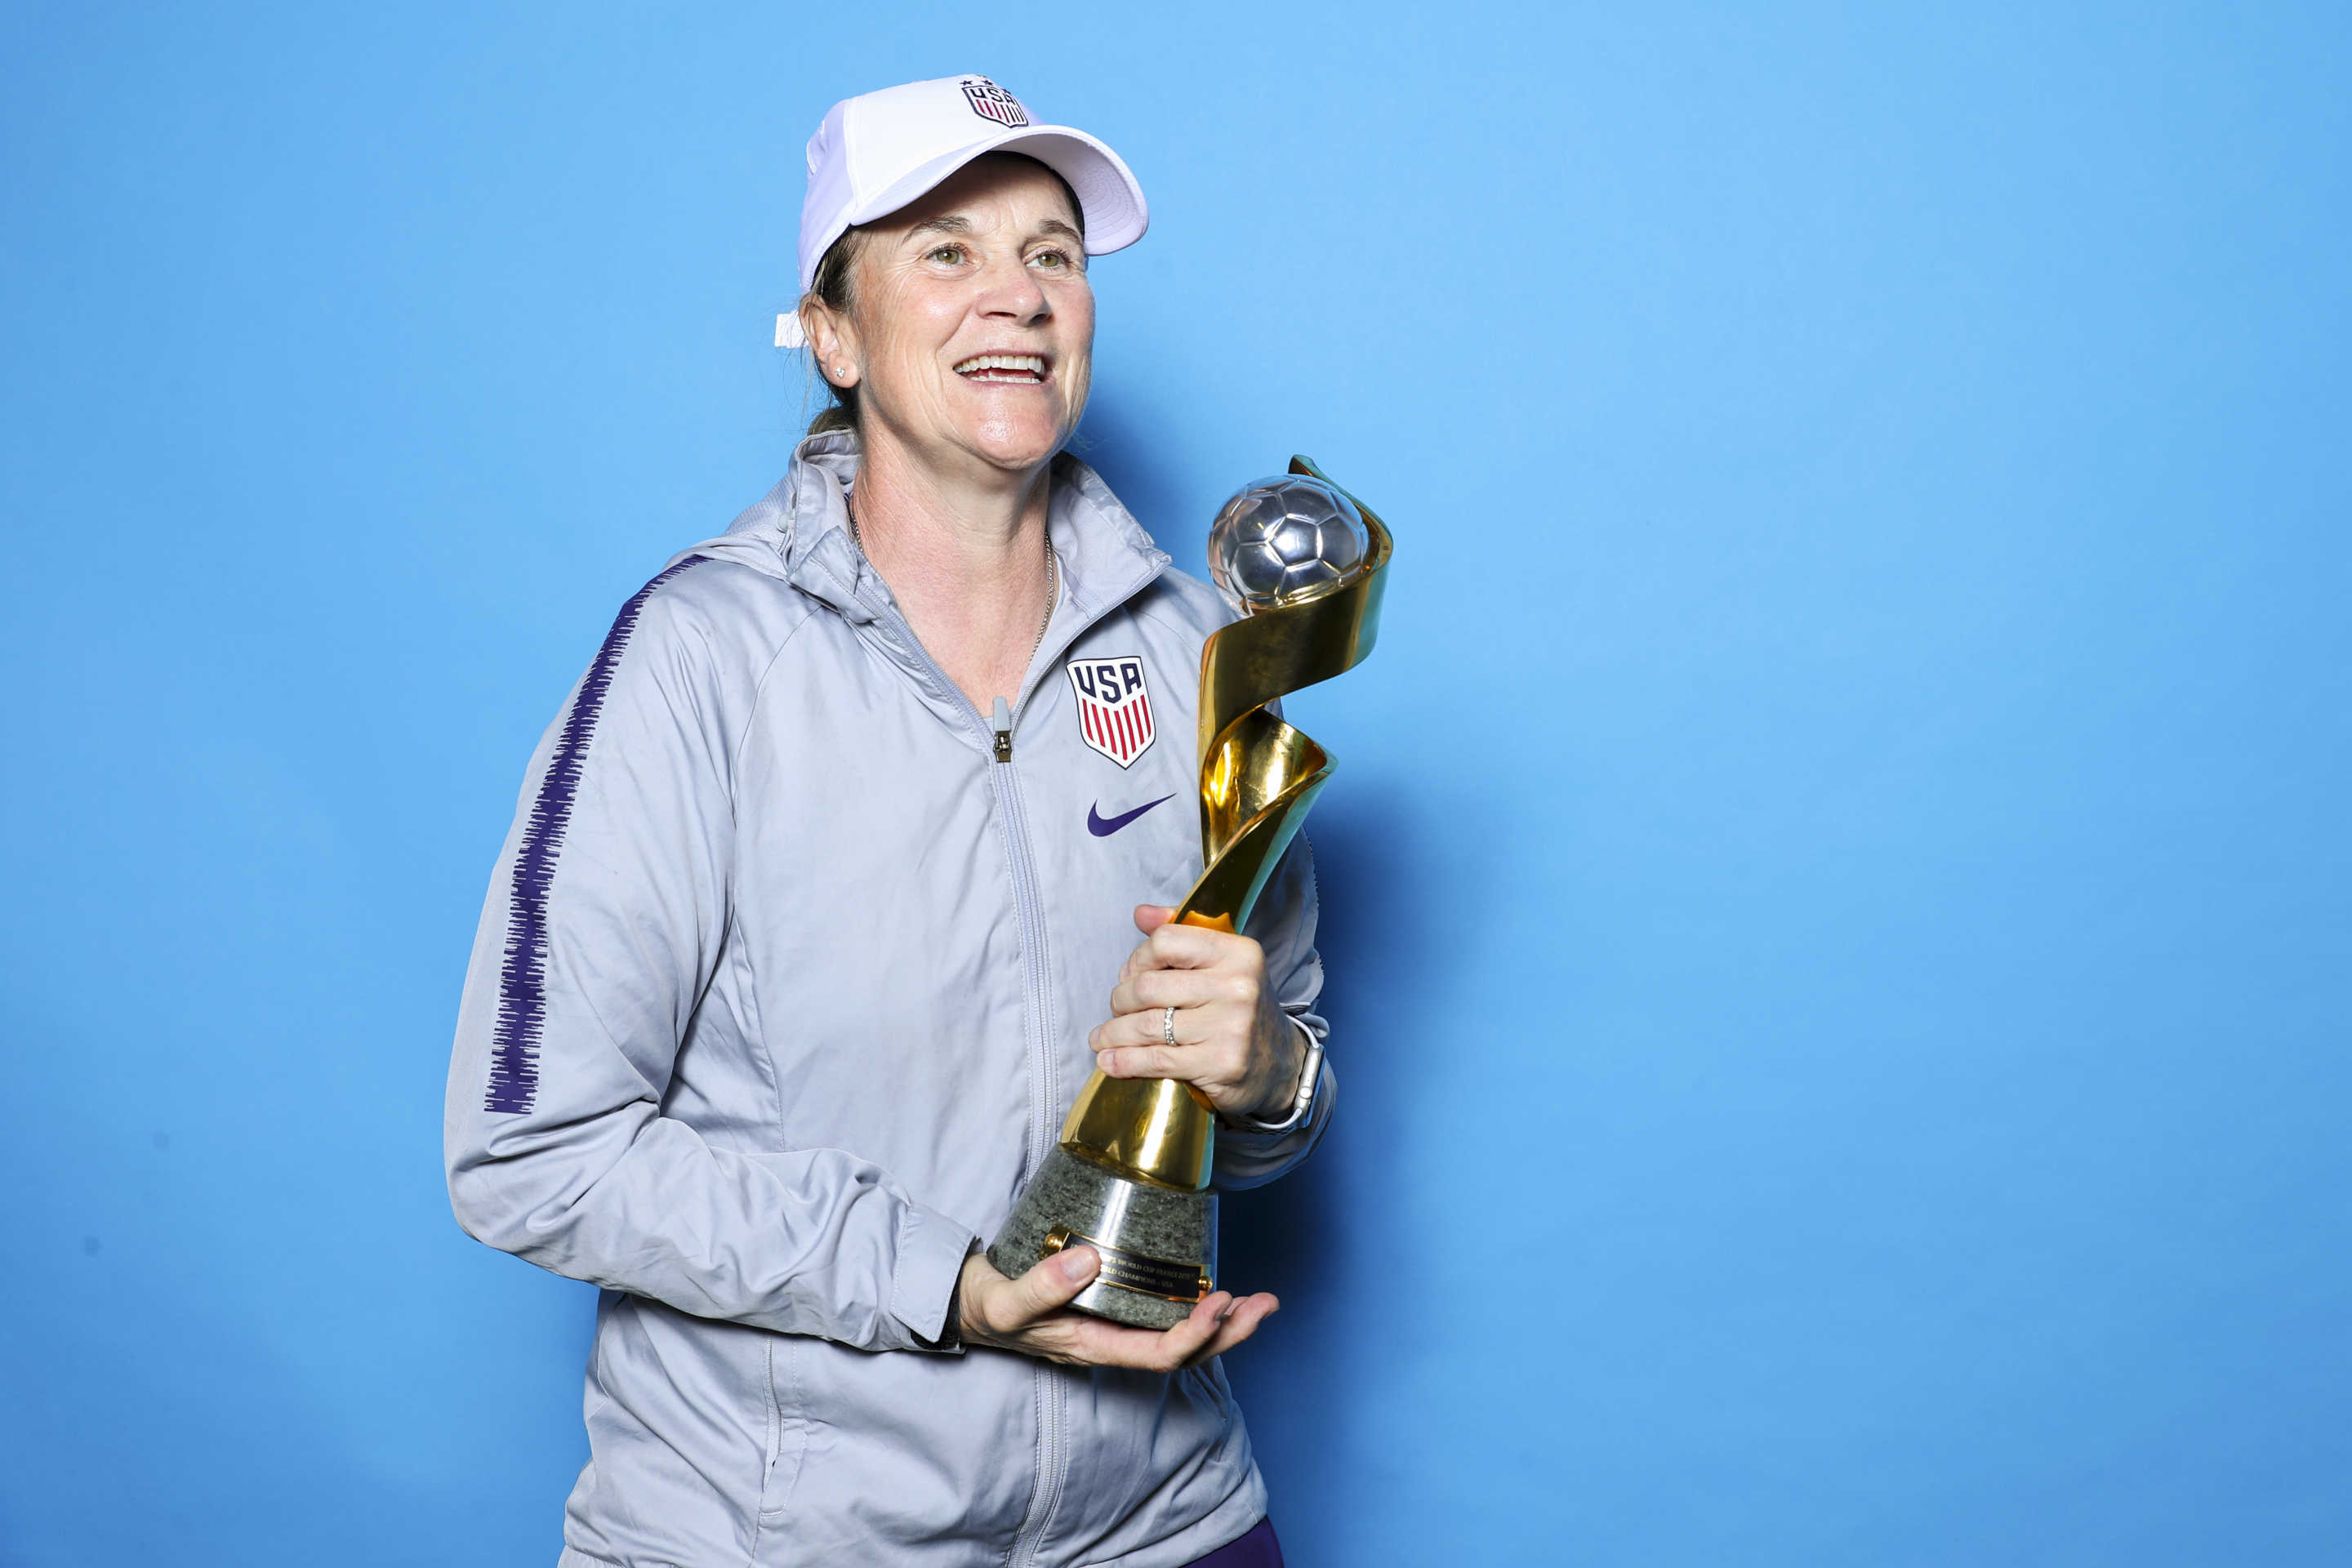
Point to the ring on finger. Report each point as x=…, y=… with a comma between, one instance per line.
x=1168, y=1025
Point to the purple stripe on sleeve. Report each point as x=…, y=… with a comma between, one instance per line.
x=522, y=980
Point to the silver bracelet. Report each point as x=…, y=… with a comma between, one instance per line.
x=1304, y=1105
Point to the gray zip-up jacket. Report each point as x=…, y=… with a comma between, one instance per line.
x=782, y=988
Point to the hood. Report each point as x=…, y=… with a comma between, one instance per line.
x=799, y=531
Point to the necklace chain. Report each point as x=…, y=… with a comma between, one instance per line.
x=1053, y=571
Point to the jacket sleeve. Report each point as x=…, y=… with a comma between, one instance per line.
x=604, y=925
x=1284, y=925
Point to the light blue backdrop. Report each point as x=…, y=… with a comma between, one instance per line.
x=1838, y=919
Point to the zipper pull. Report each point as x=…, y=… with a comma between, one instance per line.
x=1002, y=721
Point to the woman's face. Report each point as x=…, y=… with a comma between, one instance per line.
x=971, y=327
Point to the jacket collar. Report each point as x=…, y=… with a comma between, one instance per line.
x=800, y=531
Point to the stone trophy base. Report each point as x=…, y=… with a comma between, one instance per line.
x=1158, y=1244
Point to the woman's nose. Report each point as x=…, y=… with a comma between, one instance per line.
x=1011, y=292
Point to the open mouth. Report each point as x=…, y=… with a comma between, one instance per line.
x=1003, y=370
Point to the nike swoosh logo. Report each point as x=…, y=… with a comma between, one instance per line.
x=1102, y=826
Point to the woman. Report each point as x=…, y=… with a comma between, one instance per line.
x=787, y=972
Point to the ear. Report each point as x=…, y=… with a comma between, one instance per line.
x=832, y=341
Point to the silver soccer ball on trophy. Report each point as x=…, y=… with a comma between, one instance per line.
x=1285, y=540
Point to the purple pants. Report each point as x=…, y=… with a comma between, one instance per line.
x=1258, y=1549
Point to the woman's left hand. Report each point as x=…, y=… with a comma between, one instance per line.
x=1233, y=1043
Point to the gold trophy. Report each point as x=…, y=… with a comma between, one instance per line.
x=1304, y=562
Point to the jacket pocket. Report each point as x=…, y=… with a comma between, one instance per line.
x=788, y=1428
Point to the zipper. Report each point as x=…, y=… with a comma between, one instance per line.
x=1028, y=905
x=1029, y=914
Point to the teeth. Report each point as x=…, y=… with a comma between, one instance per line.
x=1034, y=364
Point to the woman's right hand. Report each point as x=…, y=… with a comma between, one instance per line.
x=1032, y=1315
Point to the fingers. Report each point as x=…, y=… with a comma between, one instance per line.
x=1150, y=919
x=1195, y=1024
x=1181, y=1063
x=1050, y=1286
x=1082, y=1341
x=1238, y=1323
x=1214, y=1065
x=1171, y=946
x=1215, y=1061
x=1215, y=981
x=1219, y=1323
x=1181, y=1346
x=1017, y=1304
x=1151, y=989
x=1212, y=1327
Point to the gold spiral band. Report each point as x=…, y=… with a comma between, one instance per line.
x=1258, y=778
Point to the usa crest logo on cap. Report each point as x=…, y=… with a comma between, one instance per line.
x=1114, y=706
x=991, y=101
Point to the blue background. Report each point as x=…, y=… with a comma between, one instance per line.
x=1837, y=920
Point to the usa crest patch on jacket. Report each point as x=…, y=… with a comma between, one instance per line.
x=1114, y=706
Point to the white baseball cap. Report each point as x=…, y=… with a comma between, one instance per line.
x=875, y=152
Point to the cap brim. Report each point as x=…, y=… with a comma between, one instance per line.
x=1109, y=200
x=1110, y=203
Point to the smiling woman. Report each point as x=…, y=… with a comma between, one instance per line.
x=830, y=291
x=782, y=986
x=962, y=344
